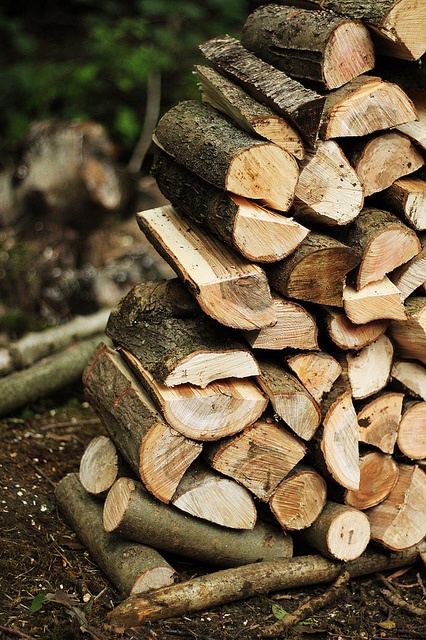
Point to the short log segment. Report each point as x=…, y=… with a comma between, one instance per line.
x=133, y=513
x=314, y=45
x=301, y=106
x=409, y=336
x=347, y=335
x=412, y=430
x=369, y=368
x=228, y=288
x=208, y=144
x=379, y=420
x=100, y=466
x=131, y=567
x=380, y=300
x=317, y=371
x=158, y=454
x=257, y=233
x=410, y=377
x=411, y=275
x=407, y=198
x=379, y=475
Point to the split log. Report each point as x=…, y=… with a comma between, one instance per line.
x=365, y=105
x=416, y=131
x=315, y=271
x=100, y=466
x=162, y=325
x=410, y=377
x=133, y=513
x=316, y=371
x=382, y=158
x=384, y=242
x=228, y=288
x=259, y=458
x=299, y=499
x=399, y=521
x=412, y=430
x=207, y=495
x=228, y=585
x=328, y=190
x=289, y=398
x=380, y=300
x=301, y=106
x=205, y=142
x=222, y=408
x=131, y=567
x=379, y=475
x=347, y=335
x=369, y=368
x=295, y=328
x=407, y=198
x=158, y=454
x=411, y=275
x=314, y=45
x=257, y=233
x=247, y=112
x=379, y=419
x=409, y=336
x=340, y=532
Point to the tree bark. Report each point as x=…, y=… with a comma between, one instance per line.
x=379, y=419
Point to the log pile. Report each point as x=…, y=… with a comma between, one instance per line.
x=275, y=390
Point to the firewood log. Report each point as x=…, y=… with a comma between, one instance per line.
x=411, y=275
x=379, y=475
x=399, y=521
x=158, y=454
x=228, y=288
x=378, y=300
x=100, y=466
x=301, y=106
x=315, y=271
x=163, y=326
x=289, y=398
x=347, y=335
x=379, y=419
x=299, y=499
x=340, y=532
x=247, y=112
x=411, y=438
x=407, y=198
x=317, y=371
x=328, y=191
x=259, y=457
x=295, y=328
x=410, y=377
x=208, y=495
x=260, y=235
x=222, y=408
x=132, y=567
x=315, y=45
x=409, y=336
x=365, y=105
x=135, y=514
x=416, y=130
x=208, y=144
x=369, y=368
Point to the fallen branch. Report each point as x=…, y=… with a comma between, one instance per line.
x=249, y=580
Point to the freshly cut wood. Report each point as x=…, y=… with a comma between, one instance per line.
x=228, y=585
x=412, y=430
x=299, y=499
x=209, y=145
x=301, y=106
x=407, y=198
x=222, y=408
x=364, y=105
x=162, y=325
x=382, y=158
x=347, y=335
x=384, y=242
x=295, y=328
x=132, y=512
x=315, y=45
x=378, y=300
x=328, y=191
x=340, y=532
x=289, y=398
x=228, y=288
x=417, y=130
x=409, y=336
x=257, y=233
x=410, y=376
x=247, y=112
x=100, y=466
x=399, y=521
x=131, y=567
x=412, y=274
x=315, y=271
x=317, y=371
x=379, y=474
x=379, y=419
x=158, y=454
x=207, y=495
x=258, y=458
x=369, y=368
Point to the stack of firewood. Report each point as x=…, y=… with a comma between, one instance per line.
x=276, y=389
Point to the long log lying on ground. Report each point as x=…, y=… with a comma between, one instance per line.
x=229, y=585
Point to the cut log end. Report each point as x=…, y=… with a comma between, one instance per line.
x=204, y=367
x=116, y=503
x=298, y=501
x=99, y=465
x=379, y=474
x=349, y=53
x=154, y=578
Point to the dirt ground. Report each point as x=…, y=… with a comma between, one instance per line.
x=51, y=589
